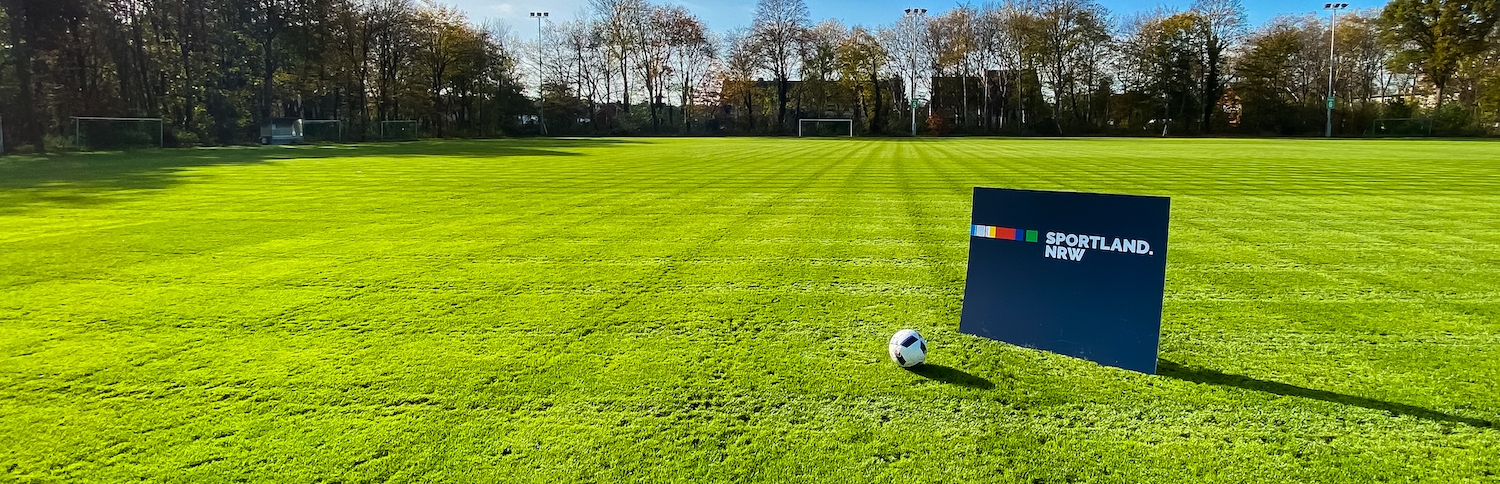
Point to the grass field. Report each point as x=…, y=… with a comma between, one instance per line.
x=687, y=310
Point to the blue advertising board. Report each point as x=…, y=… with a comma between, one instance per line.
x=1079, y=274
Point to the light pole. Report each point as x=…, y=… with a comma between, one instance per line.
x=1333, y=22
x=914, y=15
x=541, y=102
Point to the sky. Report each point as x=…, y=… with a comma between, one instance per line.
x=723, y=15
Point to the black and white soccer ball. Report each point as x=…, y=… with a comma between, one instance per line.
x=908, y=348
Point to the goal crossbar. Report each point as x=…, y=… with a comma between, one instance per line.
x=336, y=122
x=1379, y=126
x=825, y=120
x=108, y=118
x=161, y=140
x=385, y=122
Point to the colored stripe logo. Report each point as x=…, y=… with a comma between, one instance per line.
x=1004, y=233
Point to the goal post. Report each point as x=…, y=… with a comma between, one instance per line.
x=398, y=129
x=117, y=132
x=323, y=129
x=801, y=123
x=1401, y=127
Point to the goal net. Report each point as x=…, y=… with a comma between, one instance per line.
x=109, y=133
x=825, y=127
x=1401, y=127
x=314, y=130
x=399, y=129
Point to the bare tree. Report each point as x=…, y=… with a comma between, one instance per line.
x=583, y=64
x=1222, y=27
x=443, y=42
x=1160, y=62
x=779, y=29
x=658, y=47
x=907, y=42
x=742, y=61
x=1065, y=36
x=820, y=66
x=954, y=45
x=862, y=59
x=693, y=49
x=1362, y=58
x=619, y=24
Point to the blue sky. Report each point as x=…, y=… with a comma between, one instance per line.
x=724, y=15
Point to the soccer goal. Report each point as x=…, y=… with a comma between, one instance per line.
x=819, y=127
x=323, y=130
x=398, y=129
x=109, y=133
x=1401, y=127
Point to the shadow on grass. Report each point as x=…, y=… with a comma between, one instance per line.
x=80, y=179
x=950, y=375
x=1213, y=377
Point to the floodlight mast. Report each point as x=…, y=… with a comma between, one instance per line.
x=541, y=102
x=1333, y=22
x=916, y=14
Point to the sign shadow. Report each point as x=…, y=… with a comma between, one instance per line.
x=1215, y=377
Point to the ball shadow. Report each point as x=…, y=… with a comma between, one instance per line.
x=950, y=375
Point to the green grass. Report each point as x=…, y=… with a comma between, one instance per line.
x=686, y=310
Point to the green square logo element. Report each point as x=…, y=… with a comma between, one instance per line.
x=1031, y=236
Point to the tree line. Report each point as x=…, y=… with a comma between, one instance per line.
x=215, y=71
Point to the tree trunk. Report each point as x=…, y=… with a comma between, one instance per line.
x=652, y=101
x=1210, y=88
x=625, y=81
x=781, y=88
x=148, y=95
x=22, y=40
x=186, y=48
x=877, y=120
x=964, y=80
x=268, y=73
x=687, y=121
x=749, y=105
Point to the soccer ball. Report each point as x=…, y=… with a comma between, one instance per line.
x=908, y=348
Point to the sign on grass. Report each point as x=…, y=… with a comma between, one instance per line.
x=1079, y=274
